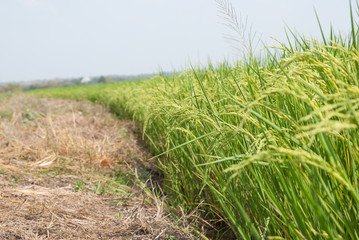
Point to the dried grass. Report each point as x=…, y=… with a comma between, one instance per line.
x=40, y=136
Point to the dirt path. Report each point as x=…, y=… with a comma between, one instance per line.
x=65, y=174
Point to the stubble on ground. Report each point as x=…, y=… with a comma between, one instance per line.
x=66, y=173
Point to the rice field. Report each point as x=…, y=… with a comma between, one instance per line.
x=268, y=147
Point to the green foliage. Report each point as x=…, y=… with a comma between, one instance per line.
x=80, y=186
x=271, y=145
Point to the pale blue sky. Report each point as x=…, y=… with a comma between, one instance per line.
x=44, y=39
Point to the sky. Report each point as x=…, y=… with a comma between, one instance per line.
x=47, y=39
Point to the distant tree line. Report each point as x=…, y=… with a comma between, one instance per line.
x=10, y=87
x=80, y=81
x=24, y=86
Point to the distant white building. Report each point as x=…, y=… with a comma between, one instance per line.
x=85, y=80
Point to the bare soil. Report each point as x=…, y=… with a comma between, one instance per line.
x=67, y=172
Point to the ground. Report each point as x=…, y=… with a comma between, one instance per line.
x=71, y=170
